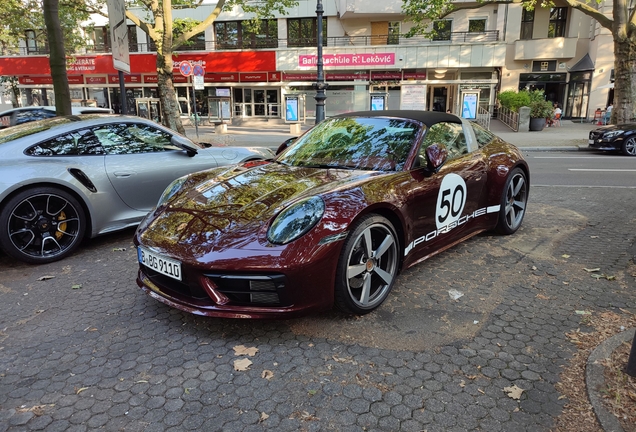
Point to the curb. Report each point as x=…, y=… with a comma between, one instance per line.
x=595, y=378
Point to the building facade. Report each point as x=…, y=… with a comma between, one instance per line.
x=248, y=74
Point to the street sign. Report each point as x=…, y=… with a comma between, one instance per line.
x=198, y=70
x=185, y=68
x=198, y=82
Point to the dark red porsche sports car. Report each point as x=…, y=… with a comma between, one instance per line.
x=332, y=219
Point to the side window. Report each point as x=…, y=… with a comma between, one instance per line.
x=450, y=135
x=483, y=136
x=79, y=143
x=129, y=138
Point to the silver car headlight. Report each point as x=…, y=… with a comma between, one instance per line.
x=612, y=134
x=171, y=190
x=296, y=220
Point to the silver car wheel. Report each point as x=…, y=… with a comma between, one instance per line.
x=513, y=202
x=629, y=147
x=42, y=225
x=371, y=266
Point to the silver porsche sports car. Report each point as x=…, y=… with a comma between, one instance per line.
x=65, y=178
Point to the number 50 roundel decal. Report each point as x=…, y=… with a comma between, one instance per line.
x=450, y=200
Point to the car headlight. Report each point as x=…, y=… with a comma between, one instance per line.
x=612, y=134
x=296, y=220
x=171, y=190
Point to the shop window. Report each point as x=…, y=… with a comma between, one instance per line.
x=303, y=32
x=527, y=24
x=558, y=21
x=477, y=25
x=442, y=29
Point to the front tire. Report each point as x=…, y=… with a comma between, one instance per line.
x=41, y=225
x=368, y=266
x=629, y=147
x=513, y=202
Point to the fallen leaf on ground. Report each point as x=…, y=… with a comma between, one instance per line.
x=513, y=392
x=592, y=269
x=43, y=278
x=543, y=297
x=243, y=350
x=583, y=312
x=79, y=390
x=242, y=364
x=565, y=256
x=267, y=374
x=76, y=286
x=263, y=417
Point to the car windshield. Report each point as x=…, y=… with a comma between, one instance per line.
x=366, y=143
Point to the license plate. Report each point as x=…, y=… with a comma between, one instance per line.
x=590, y=141
x=159, y=263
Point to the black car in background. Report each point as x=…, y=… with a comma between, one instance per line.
x=615, y=137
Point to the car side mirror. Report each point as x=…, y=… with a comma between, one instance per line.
x=436, y=155
x=285, y=144
x=185, y=144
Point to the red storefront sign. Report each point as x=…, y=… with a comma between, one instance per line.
x=253, y=77
x=415, y=75
x=385, y=76
x=154, y=79
x=274, y=76
x=300, y=77
x=221, y=77
x=27, y=80
x=95, y=80
x=364, y=76
x=102, y=64
x=135, y=79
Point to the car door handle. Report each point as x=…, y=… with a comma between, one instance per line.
x=123, y=174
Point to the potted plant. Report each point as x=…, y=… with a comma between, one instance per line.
x=540, y=110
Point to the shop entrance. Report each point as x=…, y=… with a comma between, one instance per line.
x=256, y=102
x=438, y=98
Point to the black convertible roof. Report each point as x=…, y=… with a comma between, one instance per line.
x=429, y=118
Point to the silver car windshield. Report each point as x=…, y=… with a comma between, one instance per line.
x=366, y=143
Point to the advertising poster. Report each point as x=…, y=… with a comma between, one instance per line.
x=291, y=114
x=377, y=103
x=469, y=105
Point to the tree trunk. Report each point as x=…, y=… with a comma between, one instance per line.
x=624, y=81
x=167, y=95
x=57, y=58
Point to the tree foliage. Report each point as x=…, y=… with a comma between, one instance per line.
x=621, y=23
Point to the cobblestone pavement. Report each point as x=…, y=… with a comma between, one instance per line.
x=88, y=350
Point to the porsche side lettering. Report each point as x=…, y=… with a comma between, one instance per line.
x=447, y=228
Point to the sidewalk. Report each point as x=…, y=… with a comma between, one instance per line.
x=568, y=136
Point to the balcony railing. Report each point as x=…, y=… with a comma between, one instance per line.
x=265, y=43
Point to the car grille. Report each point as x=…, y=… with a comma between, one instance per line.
x=251, y=289
x=240, y=289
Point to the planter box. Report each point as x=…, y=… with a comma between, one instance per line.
x=537, y=124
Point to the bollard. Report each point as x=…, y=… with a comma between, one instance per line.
x=630, y=369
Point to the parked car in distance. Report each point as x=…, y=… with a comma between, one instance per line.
x=66, y=178
x=332, y=219
x=615, y=138
x=16, y=116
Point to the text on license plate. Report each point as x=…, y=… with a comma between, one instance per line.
x=590, y=141
x=160, y=264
